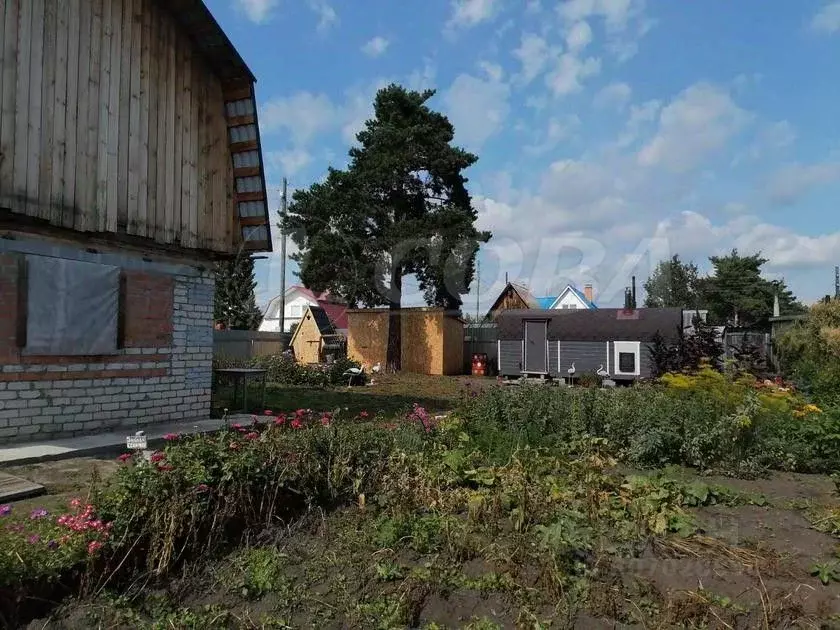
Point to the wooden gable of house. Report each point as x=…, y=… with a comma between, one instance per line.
x=132, y=121
x=509, y=299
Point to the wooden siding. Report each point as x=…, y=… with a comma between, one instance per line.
x=507, y=301
x=510, y=357
x=110, y=123
x=587, y=356
x=453, y=346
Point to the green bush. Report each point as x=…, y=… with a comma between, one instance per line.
x=284, y=370
x=707, y=420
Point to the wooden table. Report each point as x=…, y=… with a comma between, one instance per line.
x=243, y=375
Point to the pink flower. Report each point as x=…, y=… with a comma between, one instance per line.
x=297, y=424
x=268, y=412
x=363, y=414
x=300, y=412
x=123, y=458
x=76, y=503
x=237, y=427
x=202, y=487
x=171, y=436
x=234, y=446
x=93, y=547
x=253, y=435
x=157, y=456
x=5, y=509
x=38, y=513
x=166, y=468
x=280, y=420
x=325, y=420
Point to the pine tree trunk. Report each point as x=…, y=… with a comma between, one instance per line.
x=394, y=355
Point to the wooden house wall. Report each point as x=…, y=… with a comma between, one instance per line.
x=422, y=341
x=509, y=300
x=111, y=123
x=307, y=341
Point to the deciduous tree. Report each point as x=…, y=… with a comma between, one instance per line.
x=673, y=283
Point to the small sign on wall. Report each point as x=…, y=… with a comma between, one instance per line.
x=136, y=442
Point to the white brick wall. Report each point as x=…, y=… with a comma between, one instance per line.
x=43, y=409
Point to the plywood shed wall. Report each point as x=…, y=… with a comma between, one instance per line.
x=432, y=339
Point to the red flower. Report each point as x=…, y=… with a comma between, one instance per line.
x=123, y=458
x=300, y=412
x=253, y=435
x=202, y=487
x=325, y=420
x=171, y=436
x=76, y=503
x=280, y=420
x=166, y=468
x=268, y=412
x=363, y=414
x=157, y=456
x=239, y=427
x=297, y=424
x=93, y=547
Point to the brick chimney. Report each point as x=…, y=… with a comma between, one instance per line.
x=587, y=292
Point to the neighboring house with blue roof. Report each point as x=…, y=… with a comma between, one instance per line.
x=573, y=298
x=517, y=296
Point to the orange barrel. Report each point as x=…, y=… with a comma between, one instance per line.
x=479, y=364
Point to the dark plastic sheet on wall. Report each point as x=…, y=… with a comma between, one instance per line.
x=72, y=307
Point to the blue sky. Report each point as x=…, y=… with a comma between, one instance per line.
x=611, y=133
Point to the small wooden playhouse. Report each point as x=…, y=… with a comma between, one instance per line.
x=316, y=337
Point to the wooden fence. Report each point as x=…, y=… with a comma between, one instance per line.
x=247, y=344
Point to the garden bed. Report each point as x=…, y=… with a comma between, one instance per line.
x=525, y=508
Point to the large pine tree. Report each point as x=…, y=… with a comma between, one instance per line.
x=400, y=207
x=236, y=304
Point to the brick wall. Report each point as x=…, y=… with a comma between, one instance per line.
x=162, y=373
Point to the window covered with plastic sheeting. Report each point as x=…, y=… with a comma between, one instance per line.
x=72, y=307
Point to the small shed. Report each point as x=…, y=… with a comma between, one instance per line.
x=432, y=339
x=315, y=337
x=550, y=342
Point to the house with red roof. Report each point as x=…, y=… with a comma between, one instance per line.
x=298, y=300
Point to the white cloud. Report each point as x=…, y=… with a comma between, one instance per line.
x=789, y=184
x=327, y=17
x=827, y=19
x=695, y=125
x=469, y=13
x=302, y=115
x=558, y=129
x=579, y=36
x=477, y=107
x=624, y=21
x=569, y=72
x=376, y=46
x=358, y=108
x=424, y=78
x=258, y=11
x=533, y=53
x=640, y=117
x=613, y=95
x=287, y=163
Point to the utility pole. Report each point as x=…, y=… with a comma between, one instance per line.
x=837, y=282
x=283, y=259
x=477, y=288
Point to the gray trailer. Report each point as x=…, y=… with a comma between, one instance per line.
x=612, y=342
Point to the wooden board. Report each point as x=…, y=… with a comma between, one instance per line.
x=14, y=488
